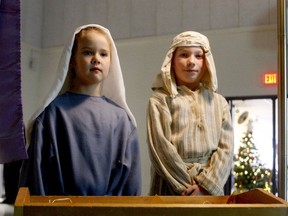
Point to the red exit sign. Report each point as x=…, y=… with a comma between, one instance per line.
x=270, y=78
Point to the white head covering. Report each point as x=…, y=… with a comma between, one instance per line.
x=190, y=38
x=112, y=87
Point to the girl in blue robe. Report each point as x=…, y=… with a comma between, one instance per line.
x=83, y=139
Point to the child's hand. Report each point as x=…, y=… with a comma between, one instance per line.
x=194, y=190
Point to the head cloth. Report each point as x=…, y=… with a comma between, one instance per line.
x=165, y=79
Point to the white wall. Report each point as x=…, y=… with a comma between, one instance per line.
x=241, y=55
x=30, y=66
x=42, y=20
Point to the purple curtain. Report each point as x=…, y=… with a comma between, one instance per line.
x=12, y=141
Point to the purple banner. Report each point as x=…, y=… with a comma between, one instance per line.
x=12, y=141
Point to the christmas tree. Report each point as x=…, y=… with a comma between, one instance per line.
x=249, y=172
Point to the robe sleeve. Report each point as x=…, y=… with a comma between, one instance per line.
x=214, y=176
x=163, y=154
x=31, y=175
x=40, y=172
x=132, y=182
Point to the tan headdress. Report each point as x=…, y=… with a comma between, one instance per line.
x=189, y=38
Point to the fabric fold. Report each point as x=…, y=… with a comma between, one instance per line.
x=12, y=141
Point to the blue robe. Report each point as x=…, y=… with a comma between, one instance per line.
x=83, y=145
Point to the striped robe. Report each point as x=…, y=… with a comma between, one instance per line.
x=190, y=140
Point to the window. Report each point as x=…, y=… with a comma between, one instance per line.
x=256, y=116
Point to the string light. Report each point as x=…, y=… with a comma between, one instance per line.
x=249, y=172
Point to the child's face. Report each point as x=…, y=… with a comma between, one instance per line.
x=92, y=58
x=189, y=66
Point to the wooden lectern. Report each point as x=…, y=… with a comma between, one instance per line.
x=256, y=202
